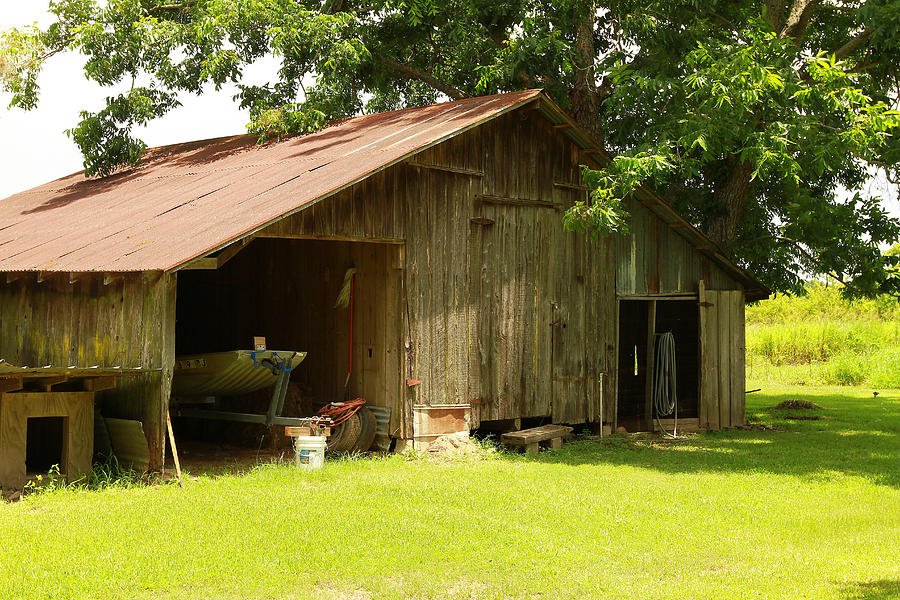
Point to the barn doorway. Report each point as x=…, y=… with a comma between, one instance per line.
x=285, y=290
x=641, y=324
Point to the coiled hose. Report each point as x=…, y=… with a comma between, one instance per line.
x=665, y=400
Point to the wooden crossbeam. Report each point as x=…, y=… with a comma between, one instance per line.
x=46, y=383
x=448, y=169
x=487, y=199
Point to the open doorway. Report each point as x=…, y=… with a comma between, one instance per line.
x=641, y=323
x=285, y=290
x=45, y=439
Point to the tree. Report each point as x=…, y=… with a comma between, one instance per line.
x=751, y=118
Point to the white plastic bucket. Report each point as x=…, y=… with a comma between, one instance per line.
x=309, y=451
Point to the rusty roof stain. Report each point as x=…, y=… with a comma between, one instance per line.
x=186, y=200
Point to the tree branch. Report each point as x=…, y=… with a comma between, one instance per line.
x=853, y=44
x=798, y=18
x=414, y=73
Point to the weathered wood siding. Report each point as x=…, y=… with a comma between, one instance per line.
x=508, y=312
x=654, y=259
x=129, y=323
x=526, y=328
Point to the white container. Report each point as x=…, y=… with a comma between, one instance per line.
x=309, y=451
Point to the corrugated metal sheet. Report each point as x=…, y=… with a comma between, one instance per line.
x=129, y=443
x=189, y=199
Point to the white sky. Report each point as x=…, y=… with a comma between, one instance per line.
x=34, y=148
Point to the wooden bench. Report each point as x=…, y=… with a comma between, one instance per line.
x=532, y=438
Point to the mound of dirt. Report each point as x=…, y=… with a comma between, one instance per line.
x=457, y=443
x=797, y=404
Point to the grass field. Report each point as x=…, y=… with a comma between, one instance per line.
x=810, y=510
x=824, y=339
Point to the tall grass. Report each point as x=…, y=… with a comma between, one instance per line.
x=822, y=338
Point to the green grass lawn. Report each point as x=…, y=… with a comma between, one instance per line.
x=810, y=510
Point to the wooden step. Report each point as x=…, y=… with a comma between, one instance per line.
x=531, y=438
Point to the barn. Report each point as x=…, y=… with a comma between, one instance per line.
x=472, y=307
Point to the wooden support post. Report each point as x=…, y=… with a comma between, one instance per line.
x=96, y=384
x=531, y=448
x=648, y=391
x=174, y=449
x=556, y=443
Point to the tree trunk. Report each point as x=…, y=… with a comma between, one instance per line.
x=730, y=198
x=585, y=96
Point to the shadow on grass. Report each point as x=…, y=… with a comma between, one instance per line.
x=854, y=436
x=884, y=589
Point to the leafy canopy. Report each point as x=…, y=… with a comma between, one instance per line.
x=753, y=118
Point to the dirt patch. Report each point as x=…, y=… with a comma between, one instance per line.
x=802, y=417
x=797, y=404
x=756, y=427
x=457, y=444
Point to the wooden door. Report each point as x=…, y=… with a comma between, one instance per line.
x=577, y=383
x=510, y=296
x=722, y=375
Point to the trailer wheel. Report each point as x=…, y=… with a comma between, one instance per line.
x=345, y=435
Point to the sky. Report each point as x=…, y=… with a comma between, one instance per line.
x=34, y=148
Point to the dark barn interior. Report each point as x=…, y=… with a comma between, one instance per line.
x=285, y=290
x=640, y=323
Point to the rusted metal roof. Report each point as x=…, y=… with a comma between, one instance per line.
x=186, y=200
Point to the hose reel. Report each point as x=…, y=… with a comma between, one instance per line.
x=665, y=398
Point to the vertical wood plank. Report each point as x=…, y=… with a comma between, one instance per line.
x=738, y=357
x=709, y=381
x=650, y=362
x=725, y=346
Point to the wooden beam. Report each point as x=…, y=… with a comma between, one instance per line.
x=571, y=186
x=678, y=225
x=96, y=384
x=673, y=296
x=448, y=169
x=10, y=384
x=563, y=126
x=201, y=264
x=331, y=238
x=231, y=251
x=46, y=383
x=516, y=201
x=110, y=278
x=74, y=277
